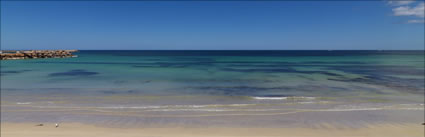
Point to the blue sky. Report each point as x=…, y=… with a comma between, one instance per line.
x=208, y=25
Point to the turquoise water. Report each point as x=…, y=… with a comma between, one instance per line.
x=170, y=84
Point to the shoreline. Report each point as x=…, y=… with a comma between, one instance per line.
x=85, y=130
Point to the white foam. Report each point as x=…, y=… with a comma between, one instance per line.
x=351, y=109
x=367, y=108
x=173, y=106
x=131, y=107
x=207, y=110
x=412, y=108
x=309, y=98
x=216, y=110
x=240, y=104
x=24, y=103
x=284, y=98
x=307, y=102
x=270, y=98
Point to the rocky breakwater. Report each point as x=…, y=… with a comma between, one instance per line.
x=33, y=54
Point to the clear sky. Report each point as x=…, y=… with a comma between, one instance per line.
x=208, y=25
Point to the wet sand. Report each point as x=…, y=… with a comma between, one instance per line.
x=84, y=130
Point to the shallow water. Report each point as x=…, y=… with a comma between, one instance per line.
x=215, y=88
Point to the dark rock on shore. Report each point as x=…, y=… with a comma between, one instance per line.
x=33, y=54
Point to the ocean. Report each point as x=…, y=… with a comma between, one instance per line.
x=216, y=88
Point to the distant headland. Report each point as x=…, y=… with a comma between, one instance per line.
x=33, y=54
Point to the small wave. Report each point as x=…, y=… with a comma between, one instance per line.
x=365, y=108
x=174, y=106
x=270, y=98
x=24, y=103
x=411, y=104
x=307, y=102
x=368, y=109
x=207, y=110
x=150, y=107
x=350, y=109
x=284, y=98
x=131, y=107
x=235, y=108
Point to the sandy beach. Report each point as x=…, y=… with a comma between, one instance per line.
x=83, y=130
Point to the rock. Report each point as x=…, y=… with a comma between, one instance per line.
x=36, y=54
